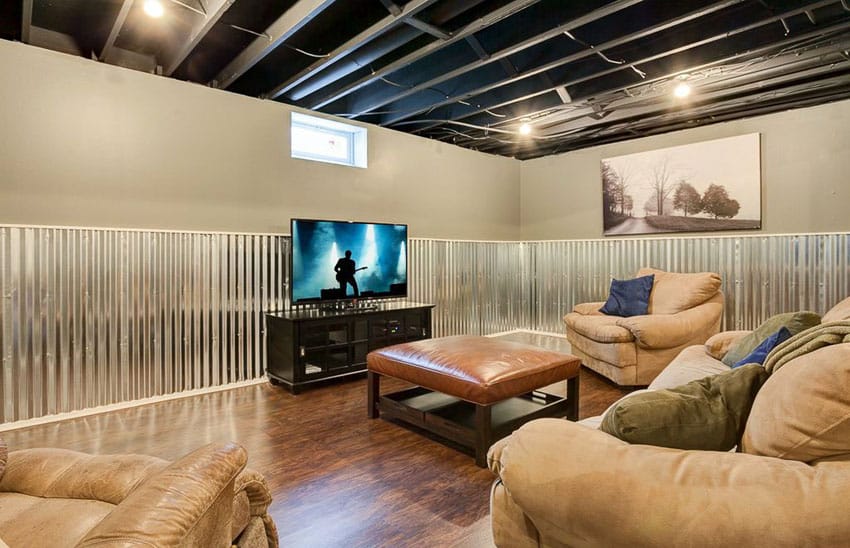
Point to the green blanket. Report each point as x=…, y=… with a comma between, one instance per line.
x=808, y=341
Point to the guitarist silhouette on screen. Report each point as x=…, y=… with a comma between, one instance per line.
x=345, y=269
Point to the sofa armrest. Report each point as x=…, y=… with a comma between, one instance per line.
x=588, y=309
x=188, y=503
x=718, y=345
x=254, y=485
x=574, y=482
x=672, y=330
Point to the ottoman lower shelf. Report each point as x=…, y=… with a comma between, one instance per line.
x=468, y=424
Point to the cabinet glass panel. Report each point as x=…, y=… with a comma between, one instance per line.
x=360, y=351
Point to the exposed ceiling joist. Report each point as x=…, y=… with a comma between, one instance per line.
x=116, y=28
x=392, y=7
x=427, y=28
x=554, y=64
x=200, y=28
x=484, y=22
x=666, y=53
x=773, y=73
x=748, y=103
x=498, y=56
x=26, y=21
x=374, y=31
x=298, y=15
x=477, y=47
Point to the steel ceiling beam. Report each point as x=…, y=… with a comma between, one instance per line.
x=26, y=21
x=738, y=57
x=501, y=55
x=427, y=28
x=768, y=77
x=721, y=36
x=834, y=88
x=767, y=80
x=200, y=28
x=765, y=74
x=378, y=29
x=116, y=28
x=298, y=15
x=588, y=52
x=460, y=34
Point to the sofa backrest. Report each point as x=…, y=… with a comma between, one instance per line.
x=803, y=410
x=674, y=292
x=840, y=311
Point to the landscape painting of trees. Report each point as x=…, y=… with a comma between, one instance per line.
x=713, y=185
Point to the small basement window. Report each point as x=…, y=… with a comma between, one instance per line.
x=323, y=140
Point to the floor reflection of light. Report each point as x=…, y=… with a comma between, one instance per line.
x=401, y=268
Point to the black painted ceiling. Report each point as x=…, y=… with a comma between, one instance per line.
x=471, y=72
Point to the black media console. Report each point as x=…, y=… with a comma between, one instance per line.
x=306, y=346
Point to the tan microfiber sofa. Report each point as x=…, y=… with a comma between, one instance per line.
x=684, y=309
x=61, y=498
x=569, y=484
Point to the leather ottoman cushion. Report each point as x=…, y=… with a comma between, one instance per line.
x=480, y=370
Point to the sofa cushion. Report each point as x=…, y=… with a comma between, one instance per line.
x=760, y=352
x=837, y=313
x=598, y=328
x=673, y=292
x=628, y=297
x=803, y=411
x=55, y=522
x=692, y=363
x=795, y=322
x=706, y=414
x=718, y=345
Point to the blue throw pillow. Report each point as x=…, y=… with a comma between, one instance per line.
x=759, y=354
x=629, y=297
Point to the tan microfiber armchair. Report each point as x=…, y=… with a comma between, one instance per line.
x=61, y=498
x=684, y=309
x=569, y=484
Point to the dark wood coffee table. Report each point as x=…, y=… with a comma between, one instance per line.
x=472, y=390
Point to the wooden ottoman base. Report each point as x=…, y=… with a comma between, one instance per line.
x=471, y=390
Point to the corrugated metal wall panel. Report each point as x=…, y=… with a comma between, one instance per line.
x=91, y=317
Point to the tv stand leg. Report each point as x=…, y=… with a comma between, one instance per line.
x=373, y=394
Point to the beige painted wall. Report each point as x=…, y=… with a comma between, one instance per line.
x=805, y=175
x=88, y=144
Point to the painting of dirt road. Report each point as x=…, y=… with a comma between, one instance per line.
x=713, y=185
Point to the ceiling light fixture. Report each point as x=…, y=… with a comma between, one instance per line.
x=154, y=8
x=525, y=129
x=682, y=90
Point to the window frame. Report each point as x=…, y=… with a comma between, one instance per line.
x=356, y=136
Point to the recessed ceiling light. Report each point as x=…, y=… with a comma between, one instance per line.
x=154, y=8
x=525, y=129
x=682, y=90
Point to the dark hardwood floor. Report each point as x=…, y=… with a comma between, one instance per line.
x=337, y=478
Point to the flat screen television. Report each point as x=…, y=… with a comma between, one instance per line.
x=343, y=260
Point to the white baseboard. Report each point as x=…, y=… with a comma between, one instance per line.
x=26, y=423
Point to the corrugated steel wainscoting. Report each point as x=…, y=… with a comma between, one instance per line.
x=95, y=317
x=92, y=317
x=762, y=275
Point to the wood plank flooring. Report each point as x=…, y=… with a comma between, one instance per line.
x=337, y=478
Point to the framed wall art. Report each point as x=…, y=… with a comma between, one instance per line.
x=707, y=186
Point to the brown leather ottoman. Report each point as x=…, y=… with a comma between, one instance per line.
x=472, y=390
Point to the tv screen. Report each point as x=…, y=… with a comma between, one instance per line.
x=336, y=260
